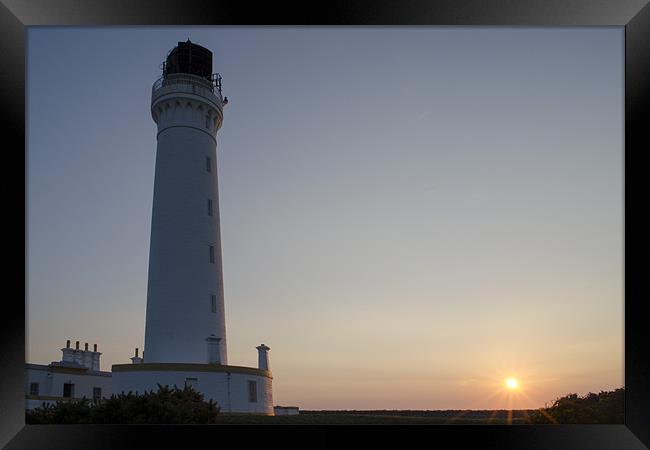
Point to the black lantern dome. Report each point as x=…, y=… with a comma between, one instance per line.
x=191, y=58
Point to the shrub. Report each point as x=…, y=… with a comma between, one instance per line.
x=605, y=407
x=166, y=406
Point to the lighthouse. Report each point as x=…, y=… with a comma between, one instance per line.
x=185, y=305
x=185, y=330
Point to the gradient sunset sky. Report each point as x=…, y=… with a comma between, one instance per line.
x=409, y=215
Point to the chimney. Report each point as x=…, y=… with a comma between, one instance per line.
x=87, y=358
x=78, y=355
x=263, y=357
x=68, y=353
x=95, y=358
x=136, y=359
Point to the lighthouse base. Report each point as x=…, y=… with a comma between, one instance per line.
x=236, y=389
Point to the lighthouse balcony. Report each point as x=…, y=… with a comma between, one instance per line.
x=186, y=83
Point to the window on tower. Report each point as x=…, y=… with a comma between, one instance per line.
x=212, y=253
x=213, y=302
x=208, y=164
x=209, y=207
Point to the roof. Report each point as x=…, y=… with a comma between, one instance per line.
x=68, y=369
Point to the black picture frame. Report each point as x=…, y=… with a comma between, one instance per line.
x=634, y=15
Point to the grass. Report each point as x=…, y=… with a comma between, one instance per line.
x=379, y=418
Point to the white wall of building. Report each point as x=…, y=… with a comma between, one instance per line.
x=286, y=410
x=229, y=389
x=52, y=378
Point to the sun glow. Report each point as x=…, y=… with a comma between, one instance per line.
x=512, y=383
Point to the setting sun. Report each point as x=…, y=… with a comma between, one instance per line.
x=512, y=383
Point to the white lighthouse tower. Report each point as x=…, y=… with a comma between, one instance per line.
x=185, y=294
x=185, y=333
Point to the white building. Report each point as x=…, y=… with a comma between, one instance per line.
x=77, y=375
x=286, y=410
x=185, y=332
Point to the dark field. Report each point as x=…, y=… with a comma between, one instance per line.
x=500, y=417
x=188, y=406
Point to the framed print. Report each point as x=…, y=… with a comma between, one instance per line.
x=416, y=220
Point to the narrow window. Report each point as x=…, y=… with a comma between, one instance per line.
x=97, y=394
x=209, y=207
x=213, y=301
x=68, y=390
x=33, y=388
x=208, y=164
x=214, y=356
x=212, y=253
x=252, y=392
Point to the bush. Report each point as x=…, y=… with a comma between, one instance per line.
x=605, y=407
x=164, y=406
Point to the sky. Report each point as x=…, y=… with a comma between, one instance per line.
x=409, y=215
